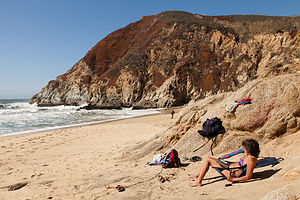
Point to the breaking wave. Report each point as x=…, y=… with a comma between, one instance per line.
x=18, y=116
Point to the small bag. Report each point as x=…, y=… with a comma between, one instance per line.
x=172, y=160
x=223, y=163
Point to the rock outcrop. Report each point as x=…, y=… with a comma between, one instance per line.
x=275, y=110
x=174, y=57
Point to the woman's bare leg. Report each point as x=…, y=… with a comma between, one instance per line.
x=213, y=160
x=209, y=161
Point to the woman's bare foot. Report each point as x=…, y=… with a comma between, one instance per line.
x=195, y=184
x=193, y=176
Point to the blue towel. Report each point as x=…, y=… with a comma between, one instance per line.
x=156, y=163
x=268, y=161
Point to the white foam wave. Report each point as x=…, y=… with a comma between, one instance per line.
x=22, y=117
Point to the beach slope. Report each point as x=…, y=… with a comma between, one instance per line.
x=80, y=162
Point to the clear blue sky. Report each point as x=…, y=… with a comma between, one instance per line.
x=41, y=39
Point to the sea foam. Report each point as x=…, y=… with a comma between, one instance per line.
x=19, y=117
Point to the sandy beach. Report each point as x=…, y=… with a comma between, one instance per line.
x=94, y=92
x=80, y=162
x=73, y=163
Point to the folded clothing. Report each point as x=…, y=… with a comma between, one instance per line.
x=224, y=163
x=245, y=101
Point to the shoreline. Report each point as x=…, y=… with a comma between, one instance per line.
x=77, y=125
x=40, y=130
x=68, y=163
x=79, y=162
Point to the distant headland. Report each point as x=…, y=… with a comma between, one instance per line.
x=175, y=57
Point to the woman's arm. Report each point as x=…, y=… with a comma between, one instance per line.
x=251, y=163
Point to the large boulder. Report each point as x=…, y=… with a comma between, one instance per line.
x=275, y=110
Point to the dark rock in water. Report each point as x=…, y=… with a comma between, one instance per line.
x=1, y=106
x=104, y=107
x=49, y=105
x=93, y=107
x=174, y=57
x=53, y=105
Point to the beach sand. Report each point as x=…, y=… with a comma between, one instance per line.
x=80, y=162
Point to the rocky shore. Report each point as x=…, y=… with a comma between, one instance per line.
x=174, y=57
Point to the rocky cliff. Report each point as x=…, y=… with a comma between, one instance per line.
x=175, y=57
x=274, y=112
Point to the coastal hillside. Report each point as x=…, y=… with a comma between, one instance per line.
x=175, y=57
x=274, y=112
x=273, y=119
x=89, y=162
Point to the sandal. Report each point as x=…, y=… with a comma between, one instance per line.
x=195, y=159
x=161, y=179
x=120, y=188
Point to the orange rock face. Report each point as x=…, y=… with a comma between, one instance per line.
x=173, y=57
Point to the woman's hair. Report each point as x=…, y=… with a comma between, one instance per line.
x=251, y=146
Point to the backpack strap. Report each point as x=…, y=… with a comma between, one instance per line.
x=211, y=146
x=214, y=141
x=200, y=147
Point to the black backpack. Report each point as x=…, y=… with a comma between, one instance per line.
x=171, y=160
x=211, y=128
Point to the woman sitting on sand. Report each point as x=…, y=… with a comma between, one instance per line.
x=250, y=148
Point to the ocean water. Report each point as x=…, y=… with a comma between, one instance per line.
x=17, y=116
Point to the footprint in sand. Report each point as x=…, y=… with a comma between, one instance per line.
x=47, y=183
